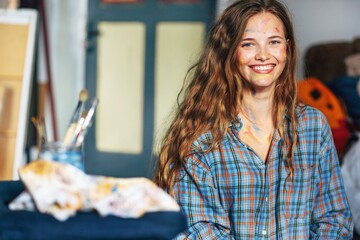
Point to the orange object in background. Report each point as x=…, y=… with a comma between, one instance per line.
x=312, y=92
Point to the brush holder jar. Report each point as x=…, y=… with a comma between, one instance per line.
x=58, y=152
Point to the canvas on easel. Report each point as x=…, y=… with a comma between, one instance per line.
x=17, y=43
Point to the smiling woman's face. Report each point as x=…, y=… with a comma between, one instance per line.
x=262, y=51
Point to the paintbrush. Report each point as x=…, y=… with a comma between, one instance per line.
x=85, y=123
x=69, y=135
x=40, y=133
x=44, y=138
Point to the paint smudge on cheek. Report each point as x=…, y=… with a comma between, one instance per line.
x=244, y=57
x=242, y=61
x=283, y=52
x=240, y=56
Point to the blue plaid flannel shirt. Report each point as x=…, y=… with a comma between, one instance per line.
x=230, y=193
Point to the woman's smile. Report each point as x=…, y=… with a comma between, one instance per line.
x=263, y=69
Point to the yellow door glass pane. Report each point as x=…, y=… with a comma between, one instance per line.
x=178, y=45
x=120, y=87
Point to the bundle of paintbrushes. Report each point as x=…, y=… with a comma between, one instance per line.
x=81, y=120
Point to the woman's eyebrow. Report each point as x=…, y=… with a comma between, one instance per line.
x=276, y=36
x=247, y=39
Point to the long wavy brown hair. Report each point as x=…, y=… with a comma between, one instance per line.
x=214, y=95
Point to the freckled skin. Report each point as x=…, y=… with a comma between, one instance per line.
x=259, y=48
x=264, y=25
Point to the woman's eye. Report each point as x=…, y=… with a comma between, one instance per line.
x=247, y=44
x=275, y=42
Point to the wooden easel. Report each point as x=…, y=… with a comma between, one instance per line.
x=17, y=41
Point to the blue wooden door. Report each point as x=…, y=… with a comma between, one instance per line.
x=137, y=55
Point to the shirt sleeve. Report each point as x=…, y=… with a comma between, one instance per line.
x=199, y=200
x=331, y=217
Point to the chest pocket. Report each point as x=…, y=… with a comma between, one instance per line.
x=297, y=193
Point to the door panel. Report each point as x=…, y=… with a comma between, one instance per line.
x=120, y=81
x=137, y=56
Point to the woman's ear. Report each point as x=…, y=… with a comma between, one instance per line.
x=288, y=44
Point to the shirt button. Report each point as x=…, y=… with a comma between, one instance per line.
x=266, y=199
x=264, y=232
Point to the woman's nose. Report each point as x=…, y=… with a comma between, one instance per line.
x=262, y=55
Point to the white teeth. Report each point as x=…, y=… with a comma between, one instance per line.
x=263, y=68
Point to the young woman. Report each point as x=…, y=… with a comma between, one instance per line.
x=242, y=157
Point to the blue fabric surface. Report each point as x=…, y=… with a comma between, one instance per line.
x=16, y=225
x=345, y=87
